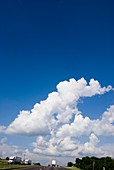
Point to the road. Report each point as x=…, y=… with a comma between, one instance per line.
x=41, y=168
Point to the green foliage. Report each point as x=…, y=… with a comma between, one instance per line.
x=7, y=158
x=74, y=168
x=70, y=164
x=89, y=163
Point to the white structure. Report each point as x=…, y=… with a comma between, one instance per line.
x=27, y=162
x=53, y=163
x=15, y=160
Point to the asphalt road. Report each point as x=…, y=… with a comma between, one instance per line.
x=41, y=168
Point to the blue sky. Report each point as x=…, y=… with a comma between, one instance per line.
x=43, y=43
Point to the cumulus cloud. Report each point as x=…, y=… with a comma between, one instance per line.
x=41, y=119
x=79, y=127
x=84, y=126
x=105, y=126
x=58, y=124
x=90, y=148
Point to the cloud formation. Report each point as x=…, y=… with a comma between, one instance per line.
x=2, y=129
x=8, y=150
x=58, y=124
x=57, y=110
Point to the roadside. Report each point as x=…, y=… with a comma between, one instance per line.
x=4, y=165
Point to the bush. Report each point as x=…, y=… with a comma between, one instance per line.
x=70, y=164
x=7, y=158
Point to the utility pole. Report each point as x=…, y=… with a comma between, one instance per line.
x=93, y=165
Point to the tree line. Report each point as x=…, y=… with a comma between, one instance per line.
x=93, y=163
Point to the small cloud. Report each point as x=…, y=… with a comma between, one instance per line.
x=3, y=140
x=2, y=129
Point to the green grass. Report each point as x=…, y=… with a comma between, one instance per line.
x=4, y=165
x=70, y=168
x=74, y=168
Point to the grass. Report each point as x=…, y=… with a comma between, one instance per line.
x=71, y=168
x=74, y=168
x=4, y=165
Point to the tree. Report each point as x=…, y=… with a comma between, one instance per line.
x=78, y=162
x=7, y=158
x=70, y=164
x=87, y=163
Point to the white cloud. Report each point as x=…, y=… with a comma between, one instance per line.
x=90, y=148
x=67, y=144
x=3, y=140
x=108, y=149
x=8, y=150
x=63, y=102
x=79, y=127
x=58, y=124
x=84, y=126
x=105, y=126
x=2, y=129
x=65, y=141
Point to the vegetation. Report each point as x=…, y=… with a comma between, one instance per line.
x=37, y=164
x=70, y=168
x=70, y=164
x=74, y=168
x=4, y=165
x=89, y=163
